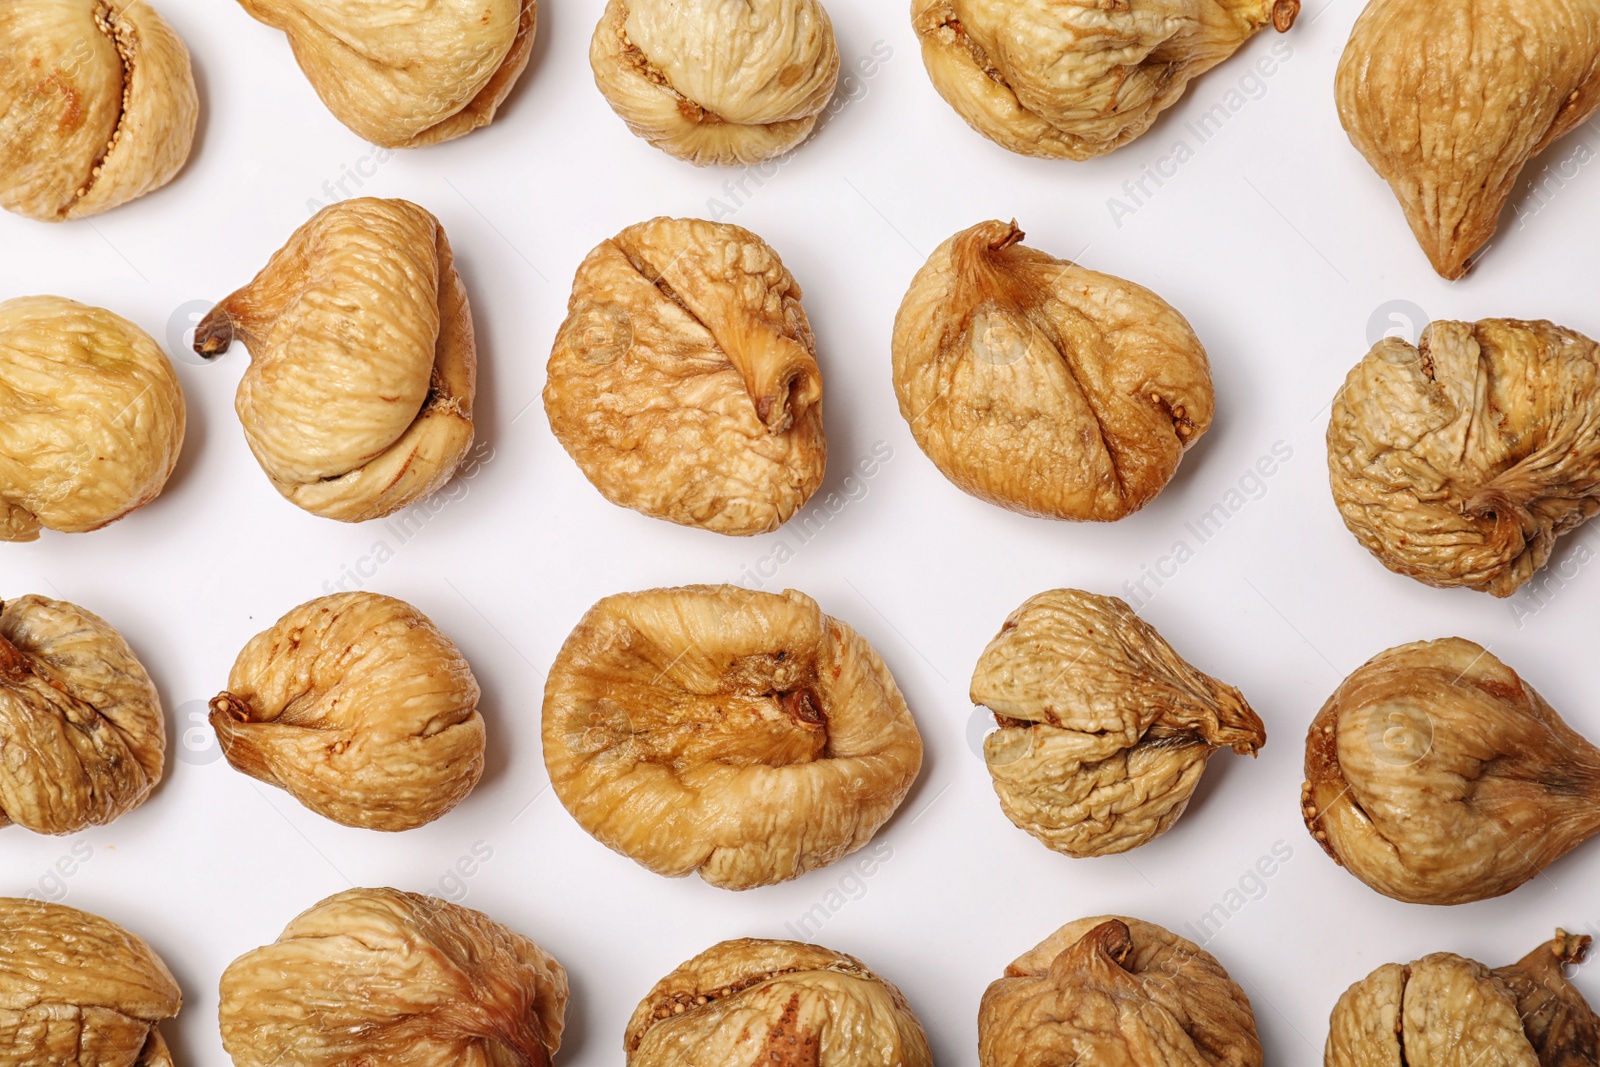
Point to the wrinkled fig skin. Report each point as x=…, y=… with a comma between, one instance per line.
x=1437, y=776
x=717, y=81
x=1104, y=729
x=684, y=381
x=97, y=105
x=363, y=365
x=82, y=738
x=1043, y=387
x=91, y=417
x=745, y=736
x=407, y=75
x=358, y=707
x=1462, y=461
x=78, y=989
x=1120, y=993
x=1076, y=79
x=777, y=1003
x=378, y=976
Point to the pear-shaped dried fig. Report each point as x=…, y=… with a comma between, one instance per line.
x=1078, y=79
x=1113, y=990
x=743, y=735
x=411, y=74
x=1461, y=461
x=714, y=82
x=78, y=989
x=97, y=105
x=684, y=381
x=1437, y=776
x=778, y=1003
x=360, y=708
x=378, y=976
x=1044, y=387
x=358, y=400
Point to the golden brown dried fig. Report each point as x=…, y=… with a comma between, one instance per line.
x=774, y=1002
x=97, y=105
x=411, y=74
x=745, y=736
x=1113, y=990
x=1460, y=462
x=358, y=399
x=1104, y=729
x=684, y=381
x=378, y=976
x=78, y=989
x=360, y=708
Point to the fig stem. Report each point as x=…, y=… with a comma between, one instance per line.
x=1284, y=12
x=226, y=703
x=214, y=334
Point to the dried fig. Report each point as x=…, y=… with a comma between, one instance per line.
x=1082, y=78
x=358, y=400
x=714, y=82
x=82, y=739
x=373, y=976
x=684, y=381
x=97, y=105
x=1461, y=461
x=1117, y=991
x=78, y=989
x=774, y=1002
x=360, y=708
x=1437, y=776
x=91, y=417
x=1041, y=386
x=411, y=74
x=742, y=735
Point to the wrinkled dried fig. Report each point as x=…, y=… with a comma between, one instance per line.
x=684, y=381
x=1437, y=776
x=360, y=708
x=78, y=989
x=774, y=1002
x=1116, y=991
x=713, y=82
x=358, y=399
x=745, y=736
x=411, y=74
x=97, y=105
x=378, y=976
x=1461, y=461
x=1041, y=386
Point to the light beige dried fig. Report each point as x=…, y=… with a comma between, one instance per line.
x=410, y=74
x=1113, y=990
x=777, y=1003
x=378, y=976
x=716, y=82
x=745, y=736
x=1041, y=386
x=78, y=989
x=684, y=381
x=363, y=365
x=360, y=708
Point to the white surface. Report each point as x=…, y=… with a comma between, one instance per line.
x=1275, y=239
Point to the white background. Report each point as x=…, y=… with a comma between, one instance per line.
x=1276, y=241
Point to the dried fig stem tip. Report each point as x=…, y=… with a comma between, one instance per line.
x=1284, y=12
x=214, y=334
x=231, y=706
x=1570, y=948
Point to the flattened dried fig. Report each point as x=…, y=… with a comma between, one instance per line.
x=1041, y=386
x=1460, y=462
x=684, y=381
x=358, y=399
x=1104, y=729
x=1113, y=990
x=360, y=708
x=1437, y=776
x=745, y=736
x=774, y=1002
x=378, y=976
